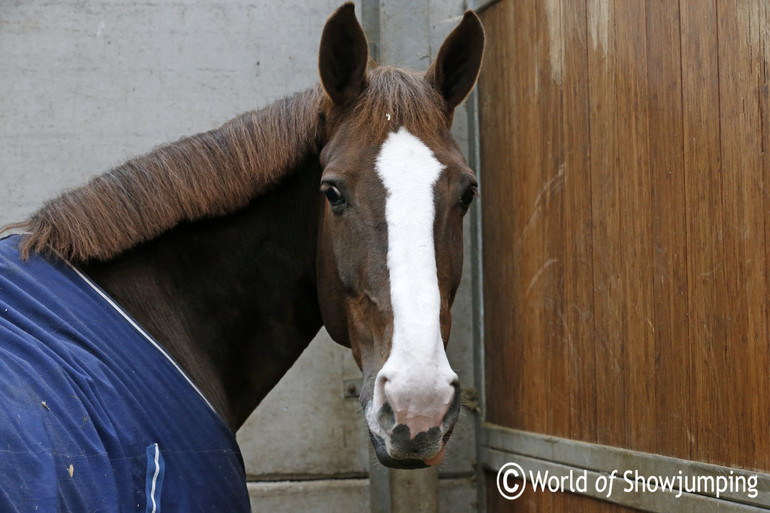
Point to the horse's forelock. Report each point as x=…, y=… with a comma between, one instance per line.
x=396, y=98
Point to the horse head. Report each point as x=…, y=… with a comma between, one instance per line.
x=395, y=188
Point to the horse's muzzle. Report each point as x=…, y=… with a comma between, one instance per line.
x=397, y=447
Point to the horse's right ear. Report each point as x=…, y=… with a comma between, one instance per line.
x=343, y=56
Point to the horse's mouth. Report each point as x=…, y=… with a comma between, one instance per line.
x=386, y=459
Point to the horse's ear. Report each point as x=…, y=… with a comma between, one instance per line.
x=456, y=68
x=343, y=55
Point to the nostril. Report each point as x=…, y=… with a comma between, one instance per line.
x=386, y=417
x=382, y=381
x=382, y=388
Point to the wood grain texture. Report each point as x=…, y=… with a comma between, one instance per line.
x=577, y=313
x=625, y=243
x=705, y=233
x=499, y=200
x=669, y=228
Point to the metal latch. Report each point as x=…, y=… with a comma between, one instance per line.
x=352, y=388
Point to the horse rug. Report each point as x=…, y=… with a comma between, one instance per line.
x=94, y=415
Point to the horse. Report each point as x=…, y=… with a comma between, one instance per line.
x=145, y=314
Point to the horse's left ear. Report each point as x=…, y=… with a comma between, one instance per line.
x=343, y=55
x=457, y=66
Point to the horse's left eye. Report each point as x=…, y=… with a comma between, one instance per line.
x=467, y=197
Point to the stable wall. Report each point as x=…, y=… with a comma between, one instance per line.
x=88, y=84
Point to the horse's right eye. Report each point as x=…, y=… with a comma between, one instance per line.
x=334, y=195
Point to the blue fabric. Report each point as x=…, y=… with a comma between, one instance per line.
x=83, y=396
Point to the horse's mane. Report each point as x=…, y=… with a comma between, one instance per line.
x=205, y=175
x=216, y=172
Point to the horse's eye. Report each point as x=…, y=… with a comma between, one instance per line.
x=467, y=197
x=334, y=195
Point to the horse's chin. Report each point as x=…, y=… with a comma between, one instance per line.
x=391, y=462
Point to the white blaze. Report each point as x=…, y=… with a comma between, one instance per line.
x=418, y=373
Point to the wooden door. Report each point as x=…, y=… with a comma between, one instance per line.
x=625, y=204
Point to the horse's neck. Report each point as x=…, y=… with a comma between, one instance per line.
x=233, y=299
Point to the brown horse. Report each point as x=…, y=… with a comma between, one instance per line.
x=222, y=247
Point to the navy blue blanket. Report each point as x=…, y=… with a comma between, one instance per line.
x=94, y=416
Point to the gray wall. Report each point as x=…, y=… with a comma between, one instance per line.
x=85, y=85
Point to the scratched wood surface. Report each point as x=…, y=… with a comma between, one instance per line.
x=624, y=224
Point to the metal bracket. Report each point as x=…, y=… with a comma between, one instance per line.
x=351, y=388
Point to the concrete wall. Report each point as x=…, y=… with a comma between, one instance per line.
x=86, y=85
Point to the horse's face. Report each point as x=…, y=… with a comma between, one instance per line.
x=395, y=189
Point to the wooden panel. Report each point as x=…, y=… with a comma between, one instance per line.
x=705, y=258
x=608, y=285
x=740, y=63
x=575, y=315
x=624, y=206
x=669, y=228
x=499, y=198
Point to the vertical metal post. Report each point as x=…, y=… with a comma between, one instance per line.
x=405, y=42
x=398, y=32
x=370, y=21
x=379, y=485
x=405, y=33
x=414, y=491
x=379, y=476
x=477, y=282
